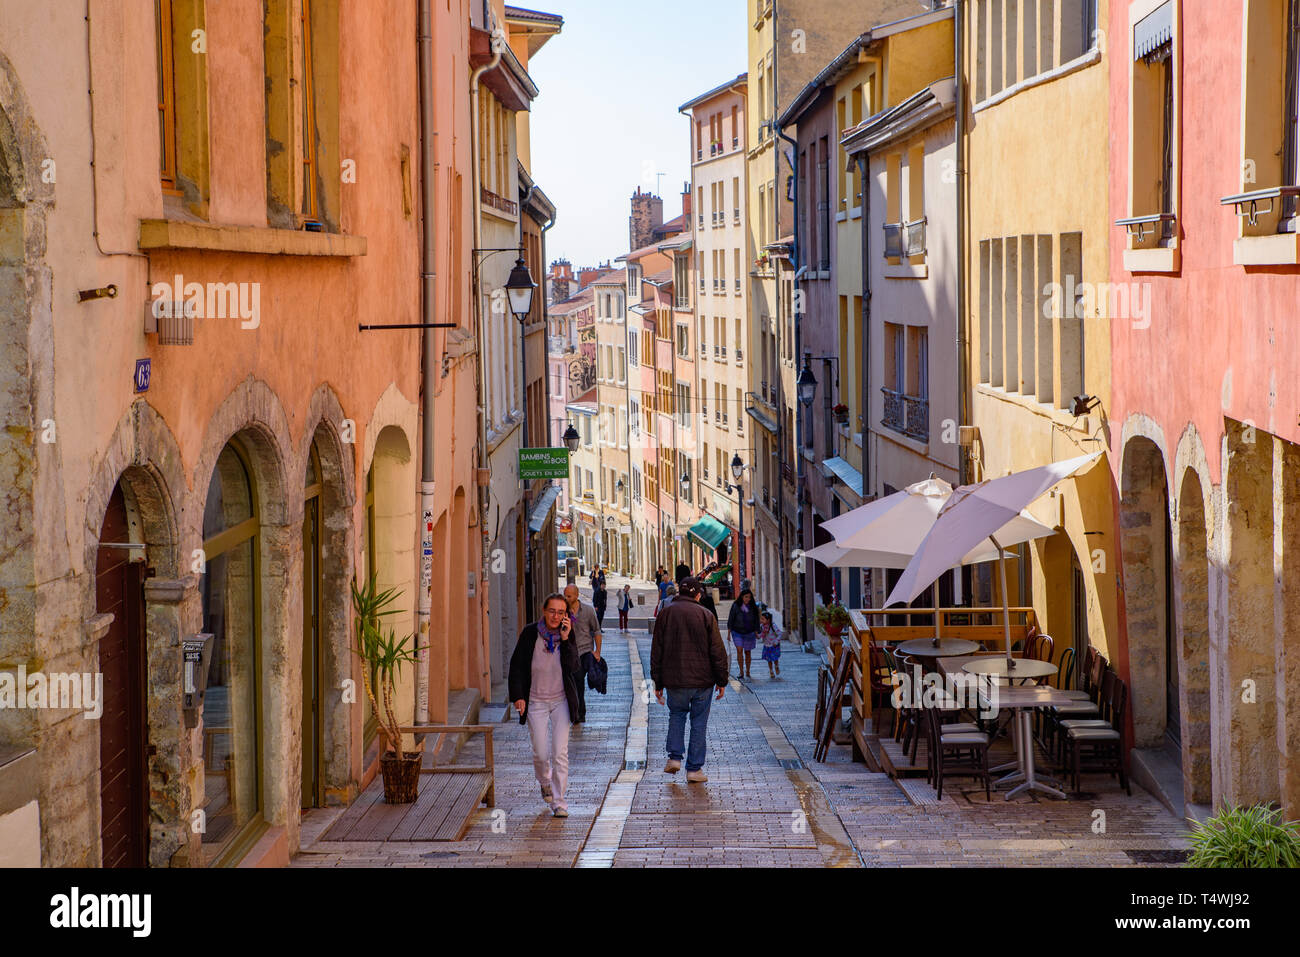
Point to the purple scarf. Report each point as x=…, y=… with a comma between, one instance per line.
x=552, y=637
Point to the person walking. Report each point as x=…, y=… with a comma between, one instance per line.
x=706, y=599
x=543, y=688
x=687, y=661
x=682, y=573
x=770, y=636
x=599, y=596
x=624, y=606
x=586, y=634
x=742, y=626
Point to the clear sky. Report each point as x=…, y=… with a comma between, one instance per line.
x=605, y=120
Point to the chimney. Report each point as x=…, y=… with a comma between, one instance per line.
x=686, y=204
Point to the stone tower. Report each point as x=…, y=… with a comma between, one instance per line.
x=647, y=213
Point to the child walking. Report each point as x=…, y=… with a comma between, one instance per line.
x=770, y=636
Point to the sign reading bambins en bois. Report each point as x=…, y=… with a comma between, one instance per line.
x=543, y=463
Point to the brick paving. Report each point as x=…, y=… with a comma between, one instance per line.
x=767, y=803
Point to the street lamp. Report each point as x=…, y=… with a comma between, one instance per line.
x=686, y=486
x=519, y=287
x=737, y=471
x=572, y=438
x=807, y=385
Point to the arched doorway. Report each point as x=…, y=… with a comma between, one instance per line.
x=1145, y=540
x=1193, y=605
x=123, y=725
x=230, y=591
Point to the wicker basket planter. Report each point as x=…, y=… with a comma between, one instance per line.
x=401, y=777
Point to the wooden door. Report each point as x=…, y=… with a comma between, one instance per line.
x=123, y=795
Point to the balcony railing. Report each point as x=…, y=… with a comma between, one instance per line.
x=704, y=350
x=490, y=198
x=724, y=353
x=740, y=357
x=905, y=239
x=737, y=285
x=908, y=414
x=737, y=216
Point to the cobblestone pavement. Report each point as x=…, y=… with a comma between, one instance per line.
x=767, y=803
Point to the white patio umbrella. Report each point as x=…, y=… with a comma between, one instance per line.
x=978, y=513
x=887, y=532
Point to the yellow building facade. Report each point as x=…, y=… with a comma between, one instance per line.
x=1033, y=183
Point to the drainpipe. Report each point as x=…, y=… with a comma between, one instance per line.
x=484, y=490
x=864, y=171
x=963, y=360
x=801, y=495
x=428, y=283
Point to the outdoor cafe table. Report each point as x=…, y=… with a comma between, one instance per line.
x=997, y=665
x=1023, y=701
x=947, y=648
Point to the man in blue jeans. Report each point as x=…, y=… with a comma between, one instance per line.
x=688, y=660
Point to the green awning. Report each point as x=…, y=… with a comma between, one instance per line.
x=709, y=533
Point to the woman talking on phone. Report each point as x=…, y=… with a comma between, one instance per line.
x=545, y=695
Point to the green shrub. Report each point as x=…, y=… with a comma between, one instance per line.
x=1245, y=837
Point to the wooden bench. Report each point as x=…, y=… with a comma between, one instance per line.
x=445, y=804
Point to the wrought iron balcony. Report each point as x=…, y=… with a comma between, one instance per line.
x=905, y=239
x=908, y=414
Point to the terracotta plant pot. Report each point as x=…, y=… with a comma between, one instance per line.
x=401, y=777
x=834, y=631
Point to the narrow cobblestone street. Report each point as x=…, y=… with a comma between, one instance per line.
x=767, y=803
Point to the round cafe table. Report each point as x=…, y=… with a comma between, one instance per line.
x=948, y=648
x=1025, y=667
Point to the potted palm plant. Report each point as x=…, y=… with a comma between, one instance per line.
x=382, y=656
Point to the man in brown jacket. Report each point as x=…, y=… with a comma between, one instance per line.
x=688, y=660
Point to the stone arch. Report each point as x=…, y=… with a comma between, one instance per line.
x=1251, y=692
x=144, y=458
x=253, y=417
x=391, y=480
x=1145, y=536
x=333, y=438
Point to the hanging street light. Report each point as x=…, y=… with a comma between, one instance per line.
x=520, y=288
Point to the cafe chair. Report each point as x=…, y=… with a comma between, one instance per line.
x=1097, y=744
x=960, y=753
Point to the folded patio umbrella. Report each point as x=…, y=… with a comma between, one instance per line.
x=988, y=511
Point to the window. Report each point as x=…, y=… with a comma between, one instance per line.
x=735, y=199
x=183, y=160
x=740, y=411
x=586, y=429
x=736, y=252
x=1153, y=147
x=1269, y=126
x=684, y=405
x=622, y=365
x=632, y=345
x=633, y=283
x=683, y=341
x=634, y=417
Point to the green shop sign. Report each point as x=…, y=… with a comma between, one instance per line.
x=543, y=463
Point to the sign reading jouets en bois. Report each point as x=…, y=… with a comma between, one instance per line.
x=543, y=463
